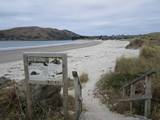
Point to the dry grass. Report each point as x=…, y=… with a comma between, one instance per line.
x=84, y=78
x=70, y=83
x=127, y=69
x=151, y=39
x=13, y=105
x=71, y=103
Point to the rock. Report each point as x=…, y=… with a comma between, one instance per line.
x=34, y=73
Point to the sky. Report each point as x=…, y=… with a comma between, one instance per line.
x=85, y=17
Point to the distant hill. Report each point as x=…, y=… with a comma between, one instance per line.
x=36, y=33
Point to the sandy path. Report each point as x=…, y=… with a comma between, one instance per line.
x=95, y=61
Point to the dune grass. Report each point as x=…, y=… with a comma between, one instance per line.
x=84, y=78
x=127, y=69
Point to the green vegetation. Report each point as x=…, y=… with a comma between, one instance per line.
x=127, y=69
x=151, y=39
x=83, y=78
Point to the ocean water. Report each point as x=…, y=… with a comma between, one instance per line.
x=12, y=45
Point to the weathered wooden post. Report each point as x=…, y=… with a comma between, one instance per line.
x=123, y=92
x=147, y=97
x=81, y=99
x=65, y=86
x=28, y=88
x=78, y=95
x=132, y=94
x=148, y=94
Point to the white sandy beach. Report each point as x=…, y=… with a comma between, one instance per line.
x=94, y=60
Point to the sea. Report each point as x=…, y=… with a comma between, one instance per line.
x=12, y=45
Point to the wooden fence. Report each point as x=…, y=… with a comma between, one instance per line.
x=132, y=96
x=78, y=95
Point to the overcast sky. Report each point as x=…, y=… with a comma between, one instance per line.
x=86, y=17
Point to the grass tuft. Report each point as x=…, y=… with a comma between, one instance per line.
x=84, y=78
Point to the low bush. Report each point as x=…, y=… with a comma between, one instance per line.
x=83, y=77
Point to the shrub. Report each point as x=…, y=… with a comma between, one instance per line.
x=83, y=77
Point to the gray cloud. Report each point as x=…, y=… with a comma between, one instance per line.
x=83, y=16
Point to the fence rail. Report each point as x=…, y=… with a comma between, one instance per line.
x=148, y=73
x=78, y=95
x=147, y=96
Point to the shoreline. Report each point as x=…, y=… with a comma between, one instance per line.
x=17, y=54
x=33, y=46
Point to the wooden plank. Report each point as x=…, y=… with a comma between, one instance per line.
x=46, y=54
x=78, y=95
x=76, y=98
x=132, y=91
x=65, y=86
x=28, y=91
x=75, y=74
x=81, y=99
x=45, y=82
x=136, y=98
x=132, y=94
x=148, y=85
x=123, y=92
x=147, y=110
x=149, y=73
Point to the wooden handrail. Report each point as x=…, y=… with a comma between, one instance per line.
x=147, y=97
x=148, y=73
x=78, y=95
x=75, y=74
x=136, y=98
